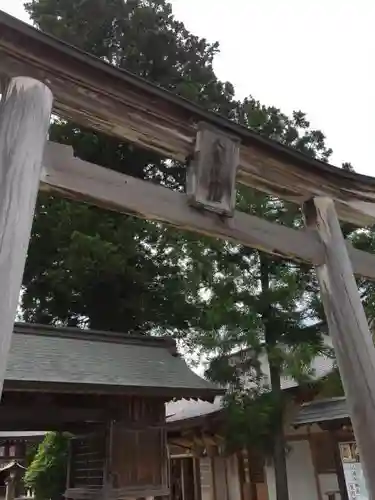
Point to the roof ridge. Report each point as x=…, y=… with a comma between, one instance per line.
x=95, y=335
x=333, y=399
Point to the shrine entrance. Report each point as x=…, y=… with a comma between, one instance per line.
x=185, y=478
x=42, y=74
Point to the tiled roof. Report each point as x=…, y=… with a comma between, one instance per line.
x=101, y=361
x=9, y=465
x=322, y=411
x=21, y=434
x=187, y=409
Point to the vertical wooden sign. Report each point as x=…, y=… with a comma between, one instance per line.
x=211, y=175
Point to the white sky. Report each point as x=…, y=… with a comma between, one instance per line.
x=313, y=55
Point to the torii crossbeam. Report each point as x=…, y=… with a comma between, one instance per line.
x=43, y=73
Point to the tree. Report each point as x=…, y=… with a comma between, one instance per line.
x=89, y=267
x=262, y=304
x=46, y=474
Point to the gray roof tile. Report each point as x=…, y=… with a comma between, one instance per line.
x=188, y=409
x=86, y=358
x=322, y=411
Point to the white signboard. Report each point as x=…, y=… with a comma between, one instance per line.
x=355, y=482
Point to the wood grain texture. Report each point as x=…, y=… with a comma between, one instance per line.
x=233, y=478
x=10, y=491
x=99, y=96
x=80, y=180
x=211, y=174
x=24, y=120
x=51, y=417
x=219, y=474
x=349, y=331
x=315, y=466
x=339, y=467
x=138, y=459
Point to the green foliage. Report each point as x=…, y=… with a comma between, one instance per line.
x=90, y=267
x=108, y=271
x=331, y=386
x=141, y=36
x=347, y=166
x=264, y=306
x=46, y=475
x=293, y=131
x=31, y=451
x=260, y=411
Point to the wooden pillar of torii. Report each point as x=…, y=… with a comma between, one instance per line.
x=348, y=328
x=24, y=120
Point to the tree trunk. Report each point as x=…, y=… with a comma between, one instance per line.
x=279, y=448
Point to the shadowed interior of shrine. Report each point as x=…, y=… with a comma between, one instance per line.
x=108, y=391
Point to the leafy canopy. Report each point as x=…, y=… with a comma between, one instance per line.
x=108, y=271
x=263, y=306
x=105, y=270
x=46, y=474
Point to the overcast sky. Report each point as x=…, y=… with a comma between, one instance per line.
x=313, y=55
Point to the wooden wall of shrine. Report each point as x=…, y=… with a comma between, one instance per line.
x=123, y=458
x=238, y=476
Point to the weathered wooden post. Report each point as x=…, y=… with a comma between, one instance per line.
x=24, y=119
x=348, y=329
x=10, y=492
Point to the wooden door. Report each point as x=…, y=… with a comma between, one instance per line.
x=185, y=479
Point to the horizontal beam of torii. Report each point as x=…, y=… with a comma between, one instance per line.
x=41, y=71
x=83, y=181
x=102, y=97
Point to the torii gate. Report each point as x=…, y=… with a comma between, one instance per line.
x=42, y=73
